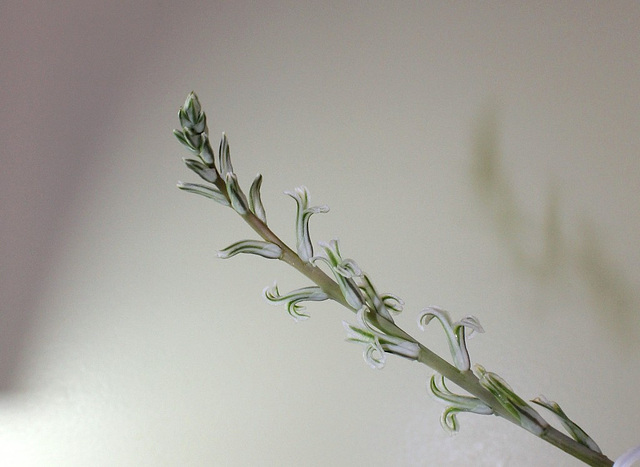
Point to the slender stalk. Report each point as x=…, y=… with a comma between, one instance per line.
x=491, y=394
x=465, y=379
x=577, y=450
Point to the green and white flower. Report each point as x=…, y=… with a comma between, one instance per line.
x=294, y=298
x=236, y=196
x=208, y=174
x=252, y=247
x=344, y=270
x=572, y=428
x=255, y=202
x=528, y=418
x=303, y=214
x=210, y=192
x=377, y=342
x=456, y=404
x=380, y=303
x=455, y=333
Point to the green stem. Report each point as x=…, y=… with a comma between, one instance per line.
x=464, y=379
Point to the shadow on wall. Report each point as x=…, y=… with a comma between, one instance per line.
x=540, y=248
x=66, y=77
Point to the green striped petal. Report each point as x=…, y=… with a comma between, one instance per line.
x=572, y=428
x=255, y=202
x=206, y=191
x=208, y=174
x=343, y=272
x=236, y=196
x=294, y=298
x=528, y=418
x=252, y=247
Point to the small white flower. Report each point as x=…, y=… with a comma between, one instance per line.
x=378, y=343
x=455, y=333
x=293, y=299
x=303, y=214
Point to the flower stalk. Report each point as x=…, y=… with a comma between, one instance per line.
x=375, y=328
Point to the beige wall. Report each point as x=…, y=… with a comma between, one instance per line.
x=483, y=158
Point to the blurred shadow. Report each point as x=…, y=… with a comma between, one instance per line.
x=540, y=247
x=66, y=68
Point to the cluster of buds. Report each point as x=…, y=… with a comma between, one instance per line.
x=223, y=184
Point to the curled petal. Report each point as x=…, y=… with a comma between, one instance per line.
x=255, y=202
x=393, y=302
x=375, y=356
x=456, y=403
x=236, y=196
x=442, y=393
x=206, y=191
x=373, y=353
x=572, y=428
x=528, y=418
x=348, y=268
x=293, y=299
x=252, y=247
x=449, y=421
x=472, y=323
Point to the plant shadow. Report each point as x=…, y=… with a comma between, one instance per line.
x=541, y=248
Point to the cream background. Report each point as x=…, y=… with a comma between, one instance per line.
x=483, y=158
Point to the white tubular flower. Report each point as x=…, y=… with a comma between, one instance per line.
x=377, y=343
x=528, y=418
x=456, y=404
x=572, y=428
x=293, y=299
x=344, y=271
x=455, y=333
x=303, y=214
x=252, y=247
